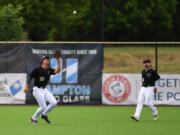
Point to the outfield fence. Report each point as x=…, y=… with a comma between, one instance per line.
x=83, y=84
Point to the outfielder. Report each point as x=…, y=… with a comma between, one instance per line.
x=41, y=77
x=149, y=78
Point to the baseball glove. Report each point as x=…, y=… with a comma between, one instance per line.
x=57, y=54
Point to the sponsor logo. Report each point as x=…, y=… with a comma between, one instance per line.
x=15, y=87
x=65, y=86
x=12, y=90
x=116, y=88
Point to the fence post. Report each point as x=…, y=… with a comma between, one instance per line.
x=102, y=21
x=156, y=56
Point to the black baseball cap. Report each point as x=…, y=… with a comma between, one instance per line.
x=147, y=61
x=43, y=57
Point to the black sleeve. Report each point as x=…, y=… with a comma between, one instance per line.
x=142, y=76
x=156, y=76
x=52, y=71
x=31, y=76
x=142, y=73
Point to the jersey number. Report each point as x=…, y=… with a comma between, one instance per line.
x=41, y=79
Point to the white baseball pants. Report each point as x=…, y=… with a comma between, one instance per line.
x=145, y=97
x=42, y=96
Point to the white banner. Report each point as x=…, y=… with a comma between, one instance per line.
x=123, y=89
x=12, y=88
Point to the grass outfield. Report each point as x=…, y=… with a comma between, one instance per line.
x=89, y=120
x=129, y=59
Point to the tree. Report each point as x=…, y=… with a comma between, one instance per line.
x=176, y=23
x=144, y=20
x=125, y=20
x=76, y=27
x=11, y=24
x=39, y=16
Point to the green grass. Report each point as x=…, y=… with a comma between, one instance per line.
x=129, y=59
x=89, y=120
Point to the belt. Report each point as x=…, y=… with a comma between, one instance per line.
x=41, y=86
x=149, y=86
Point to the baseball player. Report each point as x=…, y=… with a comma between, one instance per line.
x=149, y=78
x=41, y=77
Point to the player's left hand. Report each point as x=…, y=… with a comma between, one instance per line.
x=155, y=90
x=59, y=60
x=57, y=54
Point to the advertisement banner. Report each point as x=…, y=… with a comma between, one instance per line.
x=80, y=79
x=12, y=88
x=123, y=89
x=13, y=58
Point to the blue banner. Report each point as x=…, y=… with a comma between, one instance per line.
x=80, y=79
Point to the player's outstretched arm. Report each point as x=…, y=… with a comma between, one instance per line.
x=57, y=70
x=57, y=55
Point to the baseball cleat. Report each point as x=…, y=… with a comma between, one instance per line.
x=155, y=117
x=33, y=121
x=45, y=118
x=134, y=117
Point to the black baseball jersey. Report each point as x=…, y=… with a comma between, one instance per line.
x=41, y=76
x=149, y=77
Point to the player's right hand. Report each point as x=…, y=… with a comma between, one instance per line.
x=26, y=89
x=155, y=90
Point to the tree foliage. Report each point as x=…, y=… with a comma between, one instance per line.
x=39, y=16
x=125, y=20
x=143, y=20
x=11, y=23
